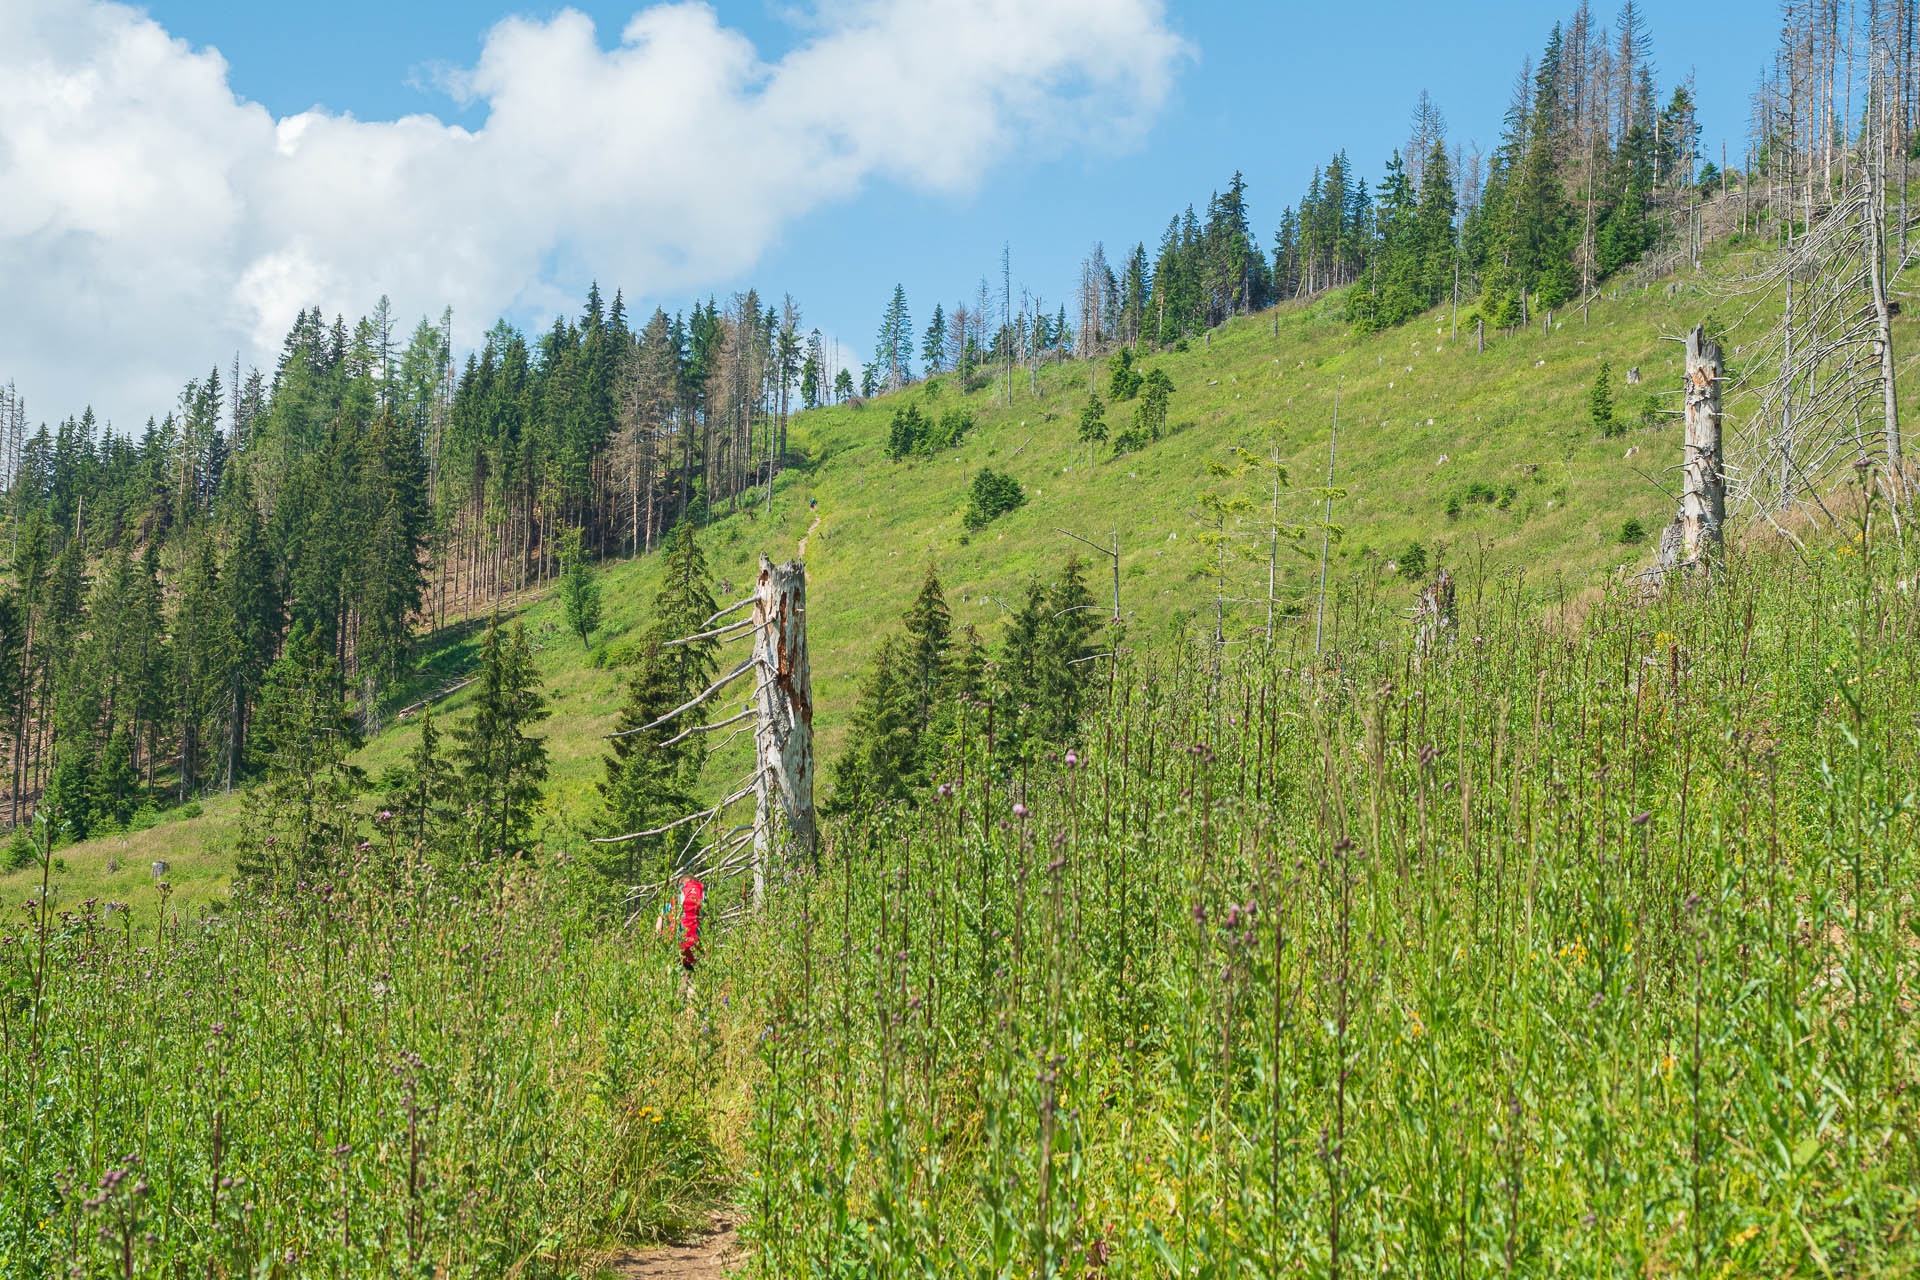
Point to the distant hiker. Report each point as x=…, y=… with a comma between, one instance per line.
x=692, y=893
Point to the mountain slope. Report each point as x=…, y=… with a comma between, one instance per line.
x=1423, y=418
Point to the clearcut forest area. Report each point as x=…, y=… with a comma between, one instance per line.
x=1381, y=745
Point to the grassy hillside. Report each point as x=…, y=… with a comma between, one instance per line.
x=1423, y=419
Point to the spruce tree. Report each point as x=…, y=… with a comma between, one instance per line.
x=643, y=786
x=1072, y=619
x=681, y=608
x=421, y=794
x=202, y=663
x=1600, y=401
x=923, y=655
x=253, y=605
x=579, y=592
x=878, y=762
x=933, y=346
x=1093, y=423
x=501, y=764
x=301, y=821
x=116, y=786
x=1019, y=696
x=69, y=798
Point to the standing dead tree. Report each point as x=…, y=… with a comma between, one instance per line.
x=1825, y=394
x=1821, y=395
x=784, y=821
x=1435, y=620
x=1693, y=540
x=784, y=825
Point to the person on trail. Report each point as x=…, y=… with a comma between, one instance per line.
x=692, y=894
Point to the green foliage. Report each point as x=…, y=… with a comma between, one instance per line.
x=1631, y=531
x=1093, y=423
x=501, y=764
x=681, y=608
x=69, y=798
x=301, y=821
x=1413, y=561
x=1150, y=415
x=342, y=1075
x=579, y=592
x=421, y=793
x=1106, y=943
x=1123, y=380
x=992, y=496
x=645, y=772
x=904, y=700
x=914, y=434
x=1600, y=402
x=21, y=851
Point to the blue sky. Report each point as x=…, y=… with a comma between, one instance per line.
x=1271, y=89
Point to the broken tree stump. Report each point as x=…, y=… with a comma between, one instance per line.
x=1434, y=617
x=784, y=822
x=1693, y=541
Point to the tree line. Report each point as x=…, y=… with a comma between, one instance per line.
x=365, y=487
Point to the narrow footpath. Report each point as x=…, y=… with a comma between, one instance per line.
x=708, y=1257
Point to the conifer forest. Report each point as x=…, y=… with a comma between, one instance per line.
x=1369, y=729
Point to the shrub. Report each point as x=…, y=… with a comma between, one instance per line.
x=952, y=428
x=1150, y=416
x=1093, y=427
x=1632, y=531
x=1123, y=380
x=1600, y=401
x=191, y=809
x=1413, y=561
x=992, y=496
x=20, y=852
x=906, y=433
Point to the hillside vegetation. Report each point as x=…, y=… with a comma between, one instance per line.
x=1581, y=945
x=1490, y=459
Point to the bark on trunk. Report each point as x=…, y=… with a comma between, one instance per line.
x=1703, y=491
x=783, y=724
x=1883, y=333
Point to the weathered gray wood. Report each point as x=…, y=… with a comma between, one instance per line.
x=784, y=822
x=1883, y=333
x=1696, y=543
x=1434, y=617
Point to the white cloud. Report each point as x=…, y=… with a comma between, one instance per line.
x=151, y=222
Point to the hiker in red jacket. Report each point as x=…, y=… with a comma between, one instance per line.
x=692, y=893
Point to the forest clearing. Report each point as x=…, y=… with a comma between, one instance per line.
x=1383, y=747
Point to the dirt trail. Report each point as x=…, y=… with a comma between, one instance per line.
x=709, y=1257
x=808, y=534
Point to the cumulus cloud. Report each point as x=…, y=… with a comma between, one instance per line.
x=151, y=220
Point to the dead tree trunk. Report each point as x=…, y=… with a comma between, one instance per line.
x=1883, y=331
x=1695, y=541
x=1434, y=618
x=783, y=721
